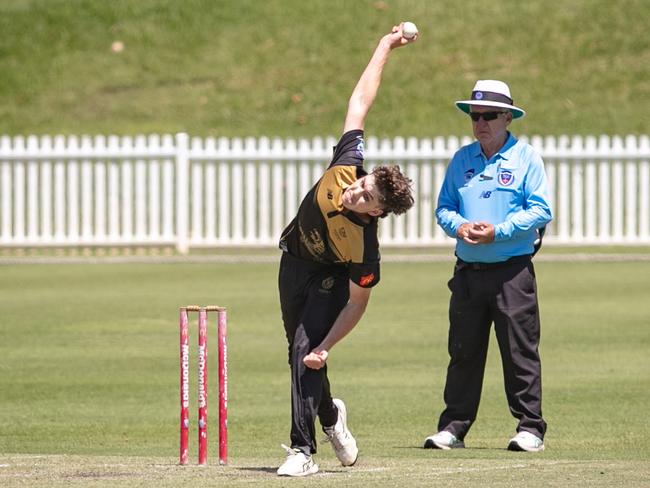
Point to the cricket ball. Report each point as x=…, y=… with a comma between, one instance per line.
x=409, y=30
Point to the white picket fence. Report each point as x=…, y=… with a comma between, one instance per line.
x=215, y=192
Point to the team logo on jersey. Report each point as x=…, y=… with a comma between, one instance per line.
x=330, y=195
x=506, y=177
x=367, y=279
x=360, y=147
x=469, y=174
x=313, y=242
x=317, y=242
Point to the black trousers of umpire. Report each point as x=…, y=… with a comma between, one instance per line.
x=506, y=294
x=311, y=298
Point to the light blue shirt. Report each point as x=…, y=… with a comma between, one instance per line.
x=509, y=190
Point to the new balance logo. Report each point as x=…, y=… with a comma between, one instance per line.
x=485, y=194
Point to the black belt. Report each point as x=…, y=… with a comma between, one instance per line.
x=480, y=266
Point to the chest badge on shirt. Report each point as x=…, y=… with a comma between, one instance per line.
x=469, y=174
x=506, y=178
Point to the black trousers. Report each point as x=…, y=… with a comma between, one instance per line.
x=311, y=298
x=506, y=295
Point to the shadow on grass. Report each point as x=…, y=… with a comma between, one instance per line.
x=420, y=448
x=264, y=469
x=259, y=469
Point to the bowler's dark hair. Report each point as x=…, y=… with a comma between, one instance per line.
x=394, y=188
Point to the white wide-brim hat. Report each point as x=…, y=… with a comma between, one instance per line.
x=491, y=93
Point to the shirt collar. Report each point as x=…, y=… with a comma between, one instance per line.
x=504, y=152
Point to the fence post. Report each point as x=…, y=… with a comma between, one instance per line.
x=182, y=194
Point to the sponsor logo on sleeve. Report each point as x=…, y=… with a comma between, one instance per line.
x=367, y=279
x=469, y=174
x=360, y=147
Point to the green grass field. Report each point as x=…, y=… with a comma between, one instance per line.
x=287, y=67
x=89, y=379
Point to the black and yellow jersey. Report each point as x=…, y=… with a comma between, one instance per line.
x=324, y=231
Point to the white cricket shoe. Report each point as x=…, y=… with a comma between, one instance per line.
x=525, y=441
x=344, y=445
x=443, y=440
x=297, y=464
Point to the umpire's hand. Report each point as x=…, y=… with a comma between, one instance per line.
x=476, y=233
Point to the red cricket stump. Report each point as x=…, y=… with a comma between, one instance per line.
x=185, y=384
x=203, y=390
x=202, y=373
x=223, y=387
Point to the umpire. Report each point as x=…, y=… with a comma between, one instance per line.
x=494, y=201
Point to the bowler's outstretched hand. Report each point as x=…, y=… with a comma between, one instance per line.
x=396, y=37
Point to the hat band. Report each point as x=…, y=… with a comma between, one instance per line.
x=491, y=97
